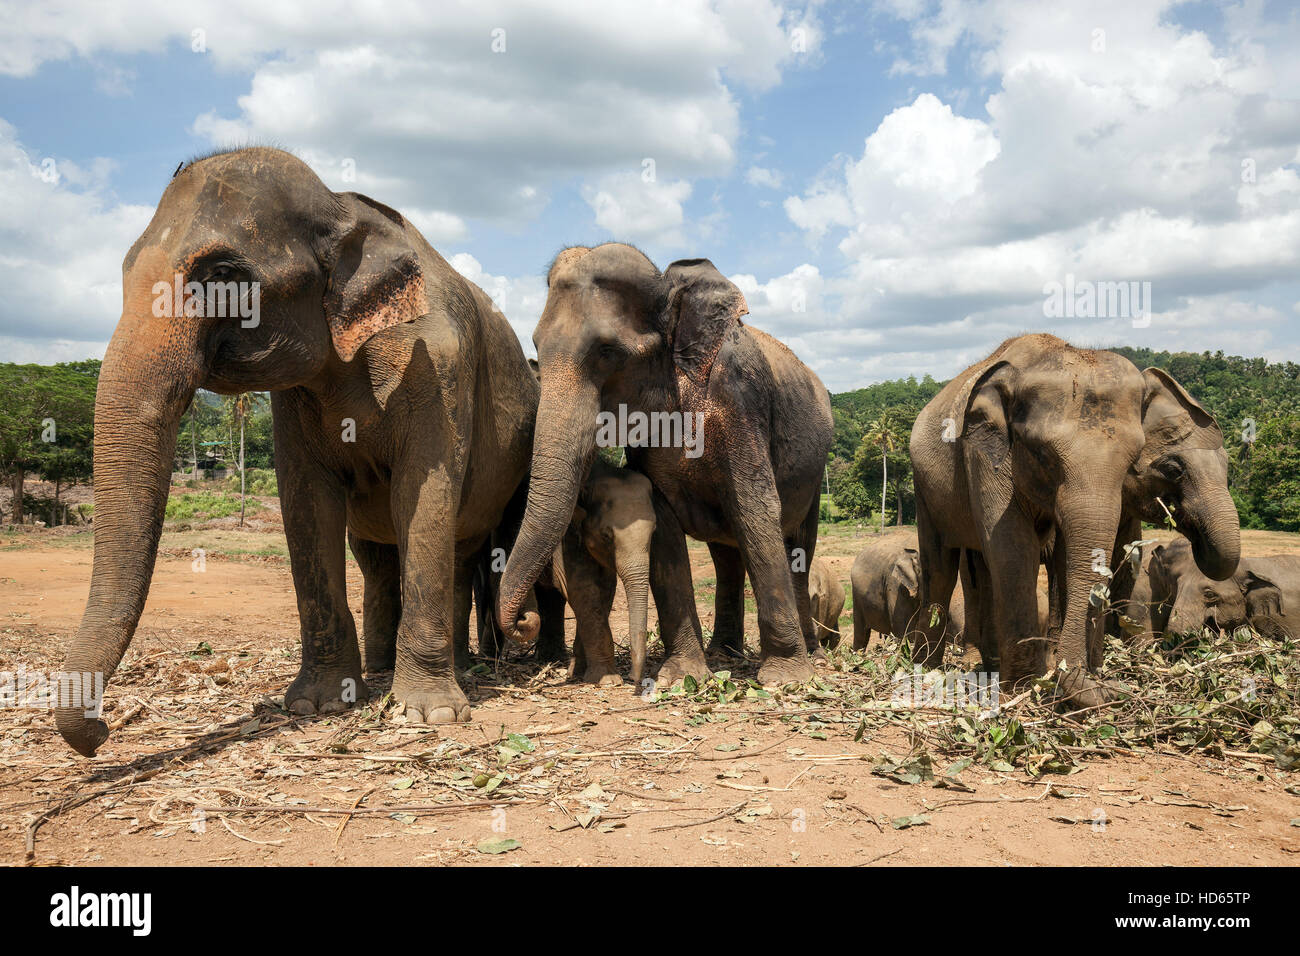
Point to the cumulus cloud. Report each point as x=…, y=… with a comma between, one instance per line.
x=629, y=206
x=62, y=238
x=1115, y=145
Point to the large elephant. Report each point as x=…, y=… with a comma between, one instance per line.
x=391, y=377
x=1045, y=449
x=731, y=429
x=826, y=601
x=1264, y=594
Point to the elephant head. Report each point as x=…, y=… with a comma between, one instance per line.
x=904, y=595
x=614, y=331
x=252, y=275
x=1184, y=600
x=1183, y=464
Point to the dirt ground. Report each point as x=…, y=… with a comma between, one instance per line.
x=204, y=767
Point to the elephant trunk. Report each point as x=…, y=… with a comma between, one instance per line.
x=1089, y=528
x=634, y=572
x=1208, y=518
x=564, y=442
x=138, y=405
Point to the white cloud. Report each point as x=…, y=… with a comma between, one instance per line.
x=62, y=239
x=629, y=207
x=761, y=176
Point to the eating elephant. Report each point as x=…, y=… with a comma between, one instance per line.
x=391, y=377
x=729, y=426
x=826, y=601
x=1043, y=448
x=1264, y=594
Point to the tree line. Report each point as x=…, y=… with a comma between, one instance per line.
x=47, y=431
x=47, y=428
x=1256, y=403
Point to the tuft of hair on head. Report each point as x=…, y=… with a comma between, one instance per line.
x=226, y=151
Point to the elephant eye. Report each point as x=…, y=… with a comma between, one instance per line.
x=1211, y=597
x=221, y=272
x=1171, y=468
x=609, y=353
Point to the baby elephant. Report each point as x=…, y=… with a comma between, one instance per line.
x=608, y=538
x=826, y=594
x=1264, y=593
x=886, y=582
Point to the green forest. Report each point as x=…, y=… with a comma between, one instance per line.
x=46, y=433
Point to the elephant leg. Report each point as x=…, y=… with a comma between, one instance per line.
x=939, y=572
x=805, y=541
x=424, y=496
x=464, y=596
x=314, y=506
x=728, y=601
x=550, y=639
x=1009, y=604
x=753, y=509
x=981, y=628
x=590, y=589
x=490, y=638
x=1121, y=587
x=382, y=603
x=861, y=630
x=674, y=594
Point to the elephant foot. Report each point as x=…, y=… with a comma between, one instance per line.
x=603, y=675
x=325, y=691
x=443, y=703
x=679, y=665
x=552, y=653
x=818, y=657
x=778, y=671
x=1077, y=690
x=726, y=649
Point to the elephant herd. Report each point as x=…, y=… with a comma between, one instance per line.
x=409, y=427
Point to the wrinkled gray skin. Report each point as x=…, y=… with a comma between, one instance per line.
x=826, y=597
x=1264, y=594
x=887, y=596
x=361, y=322
x=608, y=538
x=617, y=332
x=1045, y=449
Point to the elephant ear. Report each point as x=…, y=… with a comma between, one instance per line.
x=1263, y=597
x=906, y=575
x=374, y=276
x=985, y=423
x=1171, y=416
x=703, y=307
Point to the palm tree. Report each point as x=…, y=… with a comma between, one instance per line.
x=880, y=433
x=240, y=407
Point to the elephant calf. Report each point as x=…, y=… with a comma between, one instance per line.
x=1264, y=594
x=886, y=596
x=608, y=537
x=826, y=594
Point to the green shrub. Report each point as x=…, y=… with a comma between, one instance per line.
x=203, y=506
x=257, y=481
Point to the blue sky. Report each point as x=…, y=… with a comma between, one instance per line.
x=892, y=185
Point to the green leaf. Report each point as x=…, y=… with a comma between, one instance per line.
x=499, y=846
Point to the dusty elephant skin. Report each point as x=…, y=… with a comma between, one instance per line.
x=391, y=376
x=1264, y=594
x=619, y=336
x=826, y=597
x=1043, y=449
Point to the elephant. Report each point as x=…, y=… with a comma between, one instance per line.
x=886, y=582
x=1046, y=449
x=1264, y=594
x=826, y=601
x=392, y=380
x=609, y=537
x=732, y=430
